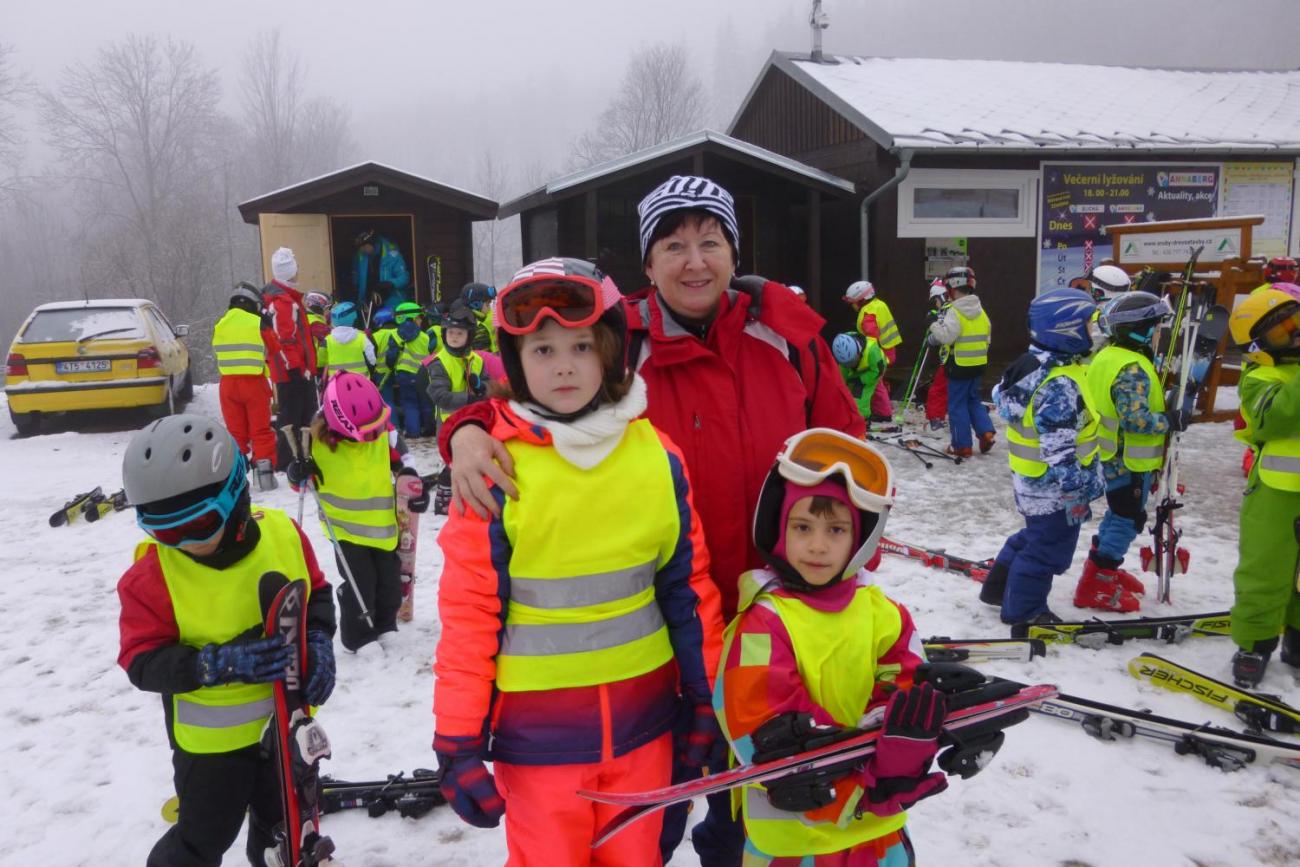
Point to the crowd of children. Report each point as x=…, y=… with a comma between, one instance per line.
x=592, y=653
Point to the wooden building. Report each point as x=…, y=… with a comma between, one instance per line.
x=1016, y=167
x=319, y=219
x=780, y=204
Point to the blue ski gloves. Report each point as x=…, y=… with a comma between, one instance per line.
x=699, y=740
x=248, y=658
x=896, y=776
x=320, y=667
x=468, y=786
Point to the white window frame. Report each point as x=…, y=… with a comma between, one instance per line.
x=1024, y=226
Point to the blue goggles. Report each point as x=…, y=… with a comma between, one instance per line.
x=201, y=522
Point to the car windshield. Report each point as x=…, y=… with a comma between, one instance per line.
x=84, y=323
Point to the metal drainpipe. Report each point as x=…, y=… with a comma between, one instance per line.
x=904, y=166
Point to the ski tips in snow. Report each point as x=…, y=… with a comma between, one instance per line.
x=1259, y=712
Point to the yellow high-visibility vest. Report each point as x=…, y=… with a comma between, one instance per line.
x=1023, y=450
x=237, y=344
x=1142, y=452
x=889, y=336
x=212, y=606
x=456, y=367
x=347, y=356
x=358, y=494
x=1277, y=461
x=822, y=648
x=971, y=349
x=582, y=608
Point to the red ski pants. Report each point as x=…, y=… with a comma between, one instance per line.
x=548, y=823
x=936, y=399
x=246, y=408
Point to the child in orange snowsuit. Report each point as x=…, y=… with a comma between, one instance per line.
x=580, y=628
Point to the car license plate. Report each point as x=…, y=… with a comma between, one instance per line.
x=97, y=365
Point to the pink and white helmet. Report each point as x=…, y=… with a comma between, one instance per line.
x=1289, y=288
x=353, y=407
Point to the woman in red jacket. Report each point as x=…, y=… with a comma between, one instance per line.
x=733, y=367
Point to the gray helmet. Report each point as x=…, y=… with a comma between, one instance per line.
x=248, y=292
x=176, y=455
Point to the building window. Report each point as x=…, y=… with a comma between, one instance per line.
x=967, y=203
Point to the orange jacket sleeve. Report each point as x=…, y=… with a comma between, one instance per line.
x=471, y=608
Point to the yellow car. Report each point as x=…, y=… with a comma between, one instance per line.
x=111, y=354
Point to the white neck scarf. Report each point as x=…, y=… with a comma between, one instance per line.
x=586, y=441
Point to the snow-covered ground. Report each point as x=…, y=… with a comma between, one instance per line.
x=86, y=765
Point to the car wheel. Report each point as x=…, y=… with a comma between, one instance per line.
x=187, y=387
x=27, y=423
x=167, y=406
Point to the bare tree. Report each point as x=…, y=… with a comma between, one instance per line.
x=496, y=242
x=290, y=136
x=659, y=99
x=132, y=128
x=13, y=88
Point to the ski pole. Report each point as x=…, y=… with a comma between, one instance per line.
x=911, y=383
x=291, y=438
x=329, y=531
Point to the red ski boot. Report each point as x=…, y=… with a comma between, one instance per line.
x=1127, y=579
x=1101, y=588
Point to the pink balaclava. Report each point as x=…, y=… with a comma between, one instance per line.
x=825, y=488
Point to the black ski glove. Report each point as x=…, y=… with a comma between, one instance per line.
x=1178, y=420
x=250, y=657
x=417, y=505
x=301, y=469
x=477, y=386
x=790, y=733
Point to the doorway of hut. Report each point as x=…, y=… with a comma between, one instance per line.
x=349, y=234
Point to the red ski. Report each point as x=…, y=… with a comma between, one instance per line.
x=408, y=533
x=298, y=743
x=1015, y=699
x=937, y=558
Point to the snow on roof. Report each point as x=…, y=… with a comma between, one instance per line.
x=933, y=104
x=369, y=164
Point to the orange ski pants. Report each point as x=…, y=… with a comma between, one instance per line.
x=246, y=409
x=548, y=823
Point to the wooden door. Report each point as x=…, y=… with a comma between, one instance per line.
x=308, y=235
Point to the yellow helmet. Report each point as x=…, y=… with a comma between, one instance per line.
x=1253, y=323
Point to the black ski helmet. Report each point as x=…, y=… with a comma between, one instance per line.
x=459, y=316
x=1131, y=319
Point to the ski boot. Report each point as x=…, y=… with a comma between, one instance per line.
x=1127, y=580
x=962, y=452
x=264, y=475
x=1291, y=648
x=441, y=499
x=1101, y=588
x=995, y=585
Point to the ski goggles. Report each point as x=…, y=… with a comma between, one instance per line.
x=572, y=301
x=811, y=457
x=1278, y=331
x=200, y=522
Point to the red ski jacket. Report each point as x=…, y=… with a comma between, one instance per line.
x=293, y=347
x=761, y=374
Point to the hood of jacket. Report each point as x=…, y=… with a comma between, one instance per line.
x=344, y=333
x=968, y=305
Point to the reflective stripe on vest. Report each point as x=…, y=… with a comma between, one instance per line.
x=582, y=608
x=213, y=606
x=237, y=344
x=889, y=337
x=1023, y=447
x=1277, y=460
x=347, y=356
x=1142, y=452
x=455, y=367
x=839, y=670
x=971, y=348
x=412, y=352
x=357, y=492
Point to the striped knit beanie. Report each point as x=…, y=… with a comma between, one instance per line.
x=682, y=192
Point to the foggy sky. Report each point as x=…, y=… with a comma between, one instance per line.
x=431, y=84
